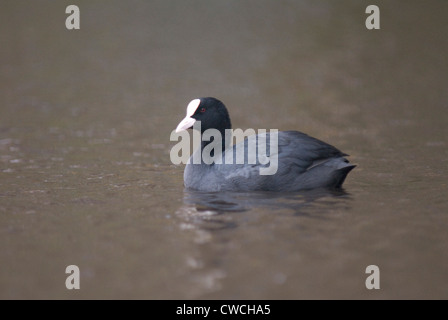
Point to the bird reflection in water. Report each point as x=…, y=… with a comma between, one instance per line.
x=213, y=210
x=215, y=219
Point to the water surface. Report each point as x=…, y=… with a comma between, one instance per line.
x=85, y=174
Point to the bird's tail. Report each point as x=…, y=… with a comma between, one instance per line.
x=341, y=174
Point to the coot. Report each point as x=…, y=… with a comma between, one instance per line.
x=292, y=160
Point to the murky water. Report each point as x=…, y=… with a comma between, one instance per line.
x=85, y=174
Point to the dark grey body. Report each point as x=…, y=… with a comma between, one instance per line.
x=303, y=163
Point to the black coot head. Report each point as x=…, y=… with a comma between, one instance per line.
x=210, y=111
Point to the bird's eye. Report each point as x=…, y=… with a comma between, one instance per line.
x=202, y=110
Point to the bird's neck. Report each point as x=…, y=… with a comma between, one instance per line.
x=226, y=139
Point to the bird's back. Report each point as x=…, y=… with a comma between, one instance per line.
x=296, y=160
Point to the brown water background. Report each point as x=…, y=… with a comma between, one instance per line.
x=86, y=178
